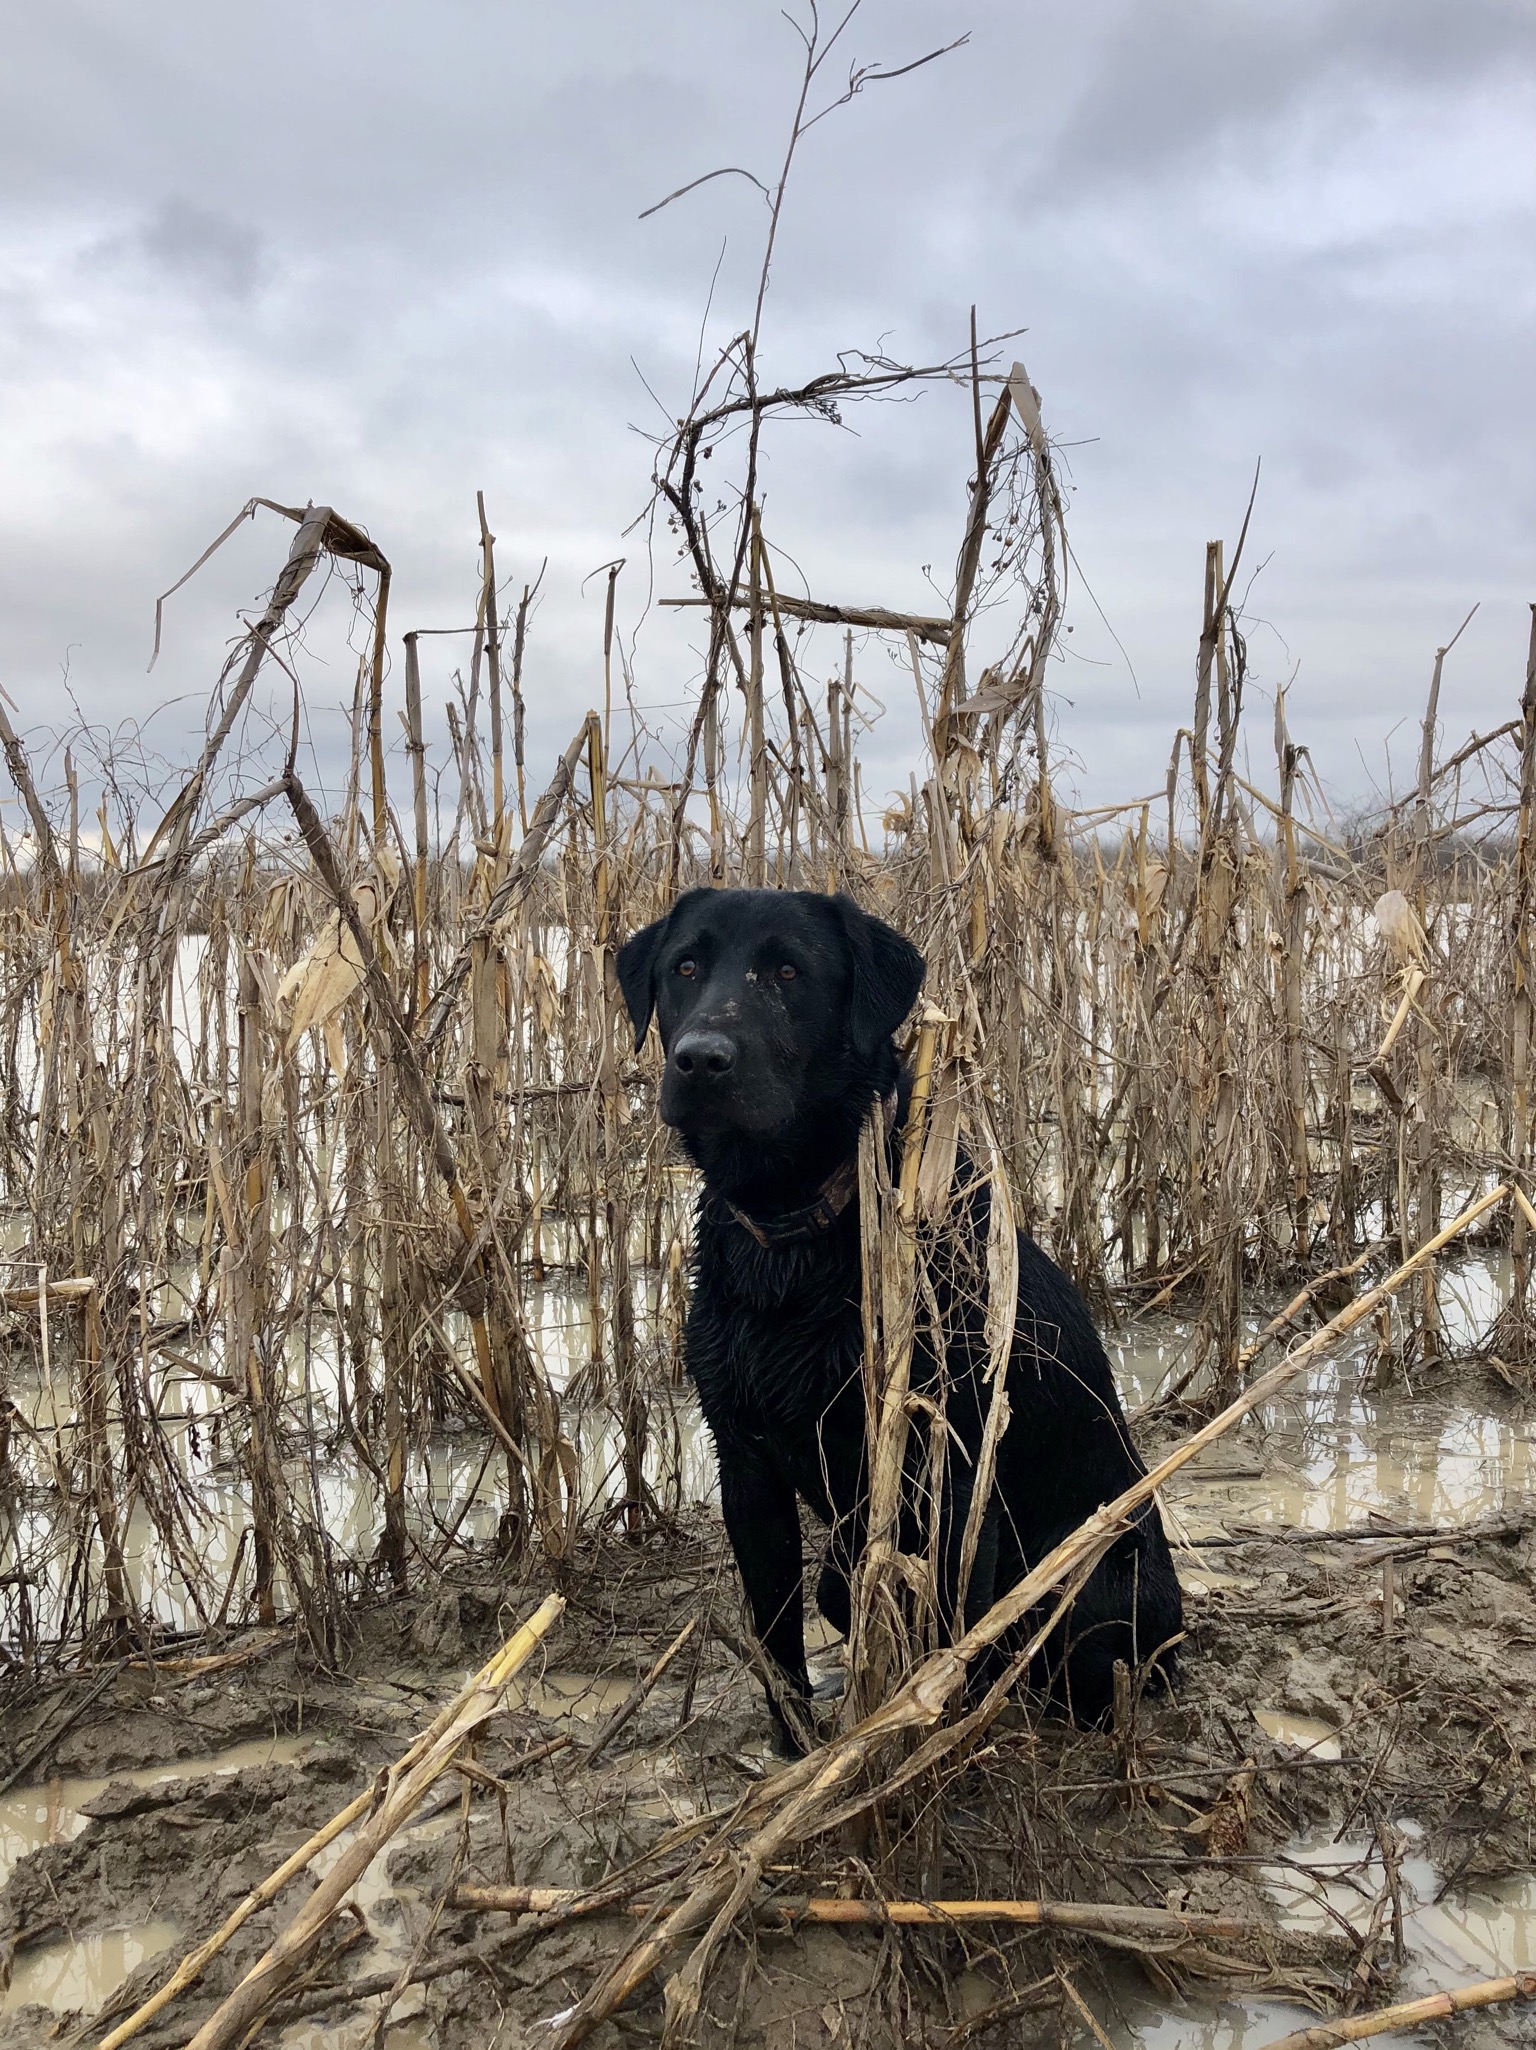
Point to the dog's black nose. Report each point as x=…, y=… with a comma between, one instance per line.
x=707, y=1055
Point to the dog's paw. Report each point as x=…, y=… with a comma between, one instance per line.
x=784, y=1742
x=795, y=1724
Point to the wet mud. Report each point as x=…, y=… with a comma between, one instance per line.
x=1346, y=1766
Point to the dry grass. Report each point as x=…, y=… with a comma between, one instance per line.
x=315, y=1160
x=301, y=1113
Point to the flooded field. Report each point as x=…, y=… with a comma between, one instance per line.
x=455, y=1495
x=1347, y=1443
x=343, y=1267
x=1297, y=1622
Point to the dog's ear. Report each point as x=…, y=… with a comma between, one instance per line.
x=887, y=975
x=635, y=963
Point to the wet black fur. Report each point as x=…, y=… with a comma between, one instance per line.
x=774, y=1339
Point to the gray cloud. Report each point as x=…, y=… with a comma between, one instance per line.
x=198, y=255
x=205, y=251
x=385, y=255
x=1196, y=85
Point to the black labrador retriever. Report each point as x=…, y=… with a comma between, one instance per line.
x=776, y=1010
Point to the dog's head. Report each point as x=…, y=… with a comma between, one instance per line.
x=775, y=1007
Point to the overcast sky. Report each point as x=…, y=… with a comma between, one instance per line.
x=379, y=256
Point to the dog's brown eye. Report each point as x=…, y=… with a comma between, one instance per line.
x=788, y=972
x=688, y=967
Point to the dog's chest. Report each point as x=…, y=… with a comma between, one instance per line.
x=775, y=1335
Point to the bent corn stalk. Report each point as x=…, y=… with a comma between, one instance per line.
x=803, y=1794
x=1410, y=2014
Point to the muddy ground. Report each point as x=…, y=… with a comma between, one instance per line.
x=1418, y=1653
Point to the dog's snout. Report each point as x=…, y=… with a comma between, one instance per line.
x=706, y=1056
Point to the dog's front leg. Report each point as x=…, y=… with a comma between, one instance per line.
x=763, y=1524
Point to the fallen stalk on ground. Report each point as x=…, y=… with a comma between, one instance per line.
x=381, y=1810
x=1112, y=1920
x=1409, y=2014
x=801, y=1797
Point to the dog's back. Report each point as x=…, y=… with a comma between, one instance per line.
x=1067, y=1451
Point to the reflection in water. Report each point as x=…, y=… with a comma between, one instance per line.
x=1317, y=1881
x=50, y=1813
x=1330, y=1454
x=455, y=1481
x=402, y=2035
x=1335, y=1449
x=1301, y=1732
x=1327, y=1454
x=82, y=1973
x=1134, y=2022
x=1492, y=1932
x=582, y=1696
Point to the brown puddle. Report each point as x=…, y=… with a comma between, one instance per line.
x=1336, y=1449
x=50, y=1812
x=1450, y=1472
x=1301, y=1732
x=385, y=1906
x=82, y=1973
x=1452, y=1944
x=404, y=2035
x=584, y=1697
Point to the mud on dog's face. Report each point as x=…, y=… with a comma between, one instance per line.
x=767, y=1002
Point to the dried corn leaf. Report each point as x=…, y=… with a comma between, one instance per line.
x=322, y=980
x=329, y=975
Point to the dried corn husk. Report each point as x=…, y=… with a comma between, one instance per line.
x=322, y=981
x=1398, y=924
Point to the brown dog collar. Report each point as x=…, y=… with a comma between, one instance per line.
x=828, y=1205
